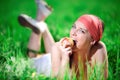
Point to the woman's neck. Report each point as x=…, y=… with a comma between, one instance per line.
x=78, y=61
x=81, y=54
x=79, y=57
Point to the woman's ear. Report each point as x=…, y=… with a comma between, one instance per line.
x=92, y=42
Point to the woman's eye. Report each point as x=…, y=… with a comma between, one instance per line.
x=81, y=31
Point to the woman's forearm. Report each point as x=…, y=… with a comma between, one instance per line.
x=55, y=60
x=64, y=65
x=60, y=62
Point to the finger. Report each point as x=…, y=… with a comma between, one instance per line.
x=61, y=41
x=69, y=52
x=68, y=49
x=66, y=44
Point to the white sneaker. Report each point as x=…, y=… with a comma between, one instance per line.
x=44, y=7
x=36, y=26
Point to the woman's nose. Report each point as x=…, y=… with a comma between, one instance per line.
x=74, y=33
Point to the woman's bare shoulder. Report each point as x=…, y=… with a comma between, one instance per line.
x=100, y=46
x=99, y=51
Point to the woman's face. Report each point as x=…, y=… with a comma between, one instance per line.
x=81, y=36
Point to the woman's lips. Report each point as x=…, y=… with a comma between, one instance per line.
x=74, y=42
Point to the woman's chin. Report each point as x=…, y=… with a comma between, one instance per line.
x=74, y=49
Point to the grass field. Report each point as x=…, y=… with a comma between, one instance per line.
x=14, y=64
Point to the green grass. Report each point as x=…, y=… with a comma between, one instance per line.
x=13, y=38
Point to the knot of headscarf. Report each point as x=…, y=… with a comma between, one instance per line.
x=93, y=24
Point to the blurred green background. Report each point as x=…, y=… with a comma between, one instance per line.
x=14, y=38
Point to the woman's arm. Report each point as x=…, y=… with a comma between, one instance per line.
x=60, y=58
x=56, y=60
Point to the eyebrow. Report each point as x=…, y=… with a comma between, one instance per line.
x=81, y=28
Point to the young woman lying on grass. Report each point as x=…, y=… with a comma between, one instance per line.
x=76, y=53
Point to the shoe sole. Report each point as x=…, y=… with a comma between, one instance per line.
x=25, y=23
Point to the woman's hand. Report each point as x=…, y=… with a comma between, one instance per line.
x=65, y=51
x=65, y=47
x=60, y=57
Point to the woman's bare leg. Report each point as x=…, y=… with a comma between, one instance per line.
x=48, y=40
x=35, y=39
x=49, y=45
x=34, y=44
x=42, y=14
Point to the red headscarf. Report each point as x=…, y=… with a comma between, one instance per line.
x=93, y=24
